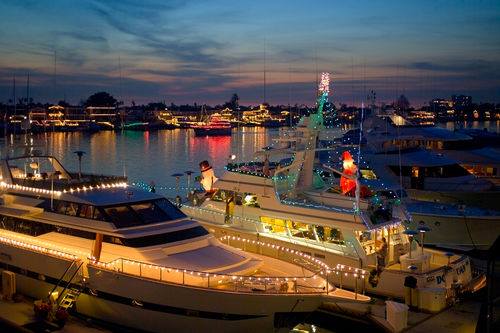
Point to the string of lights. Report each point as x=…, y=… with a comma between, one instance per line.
x=36, y=248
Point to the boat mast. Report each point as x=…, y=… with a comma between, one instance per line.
x=358, y=172
x=314, y=126
x=55, y=77
x=14, y=92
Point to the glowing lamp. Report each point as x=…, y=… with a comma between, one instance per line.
x=248, y=198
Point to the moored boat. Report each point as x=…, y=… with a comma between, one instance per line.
x=128, y=256
x=216, y=126
x=288, y=203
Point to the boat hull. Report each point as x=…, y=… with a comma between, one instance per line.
x=484, y=199
x=458, y=231
x=390, y=282
x=201, y=131
x=149, y=305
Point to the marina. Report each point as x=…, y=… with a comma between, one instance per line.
x=303, y=242
x=300, y=167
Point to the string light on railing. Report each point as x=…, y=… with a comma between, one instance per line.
x=29, y=189
x=328, y=270
x=115, y=265
x=96, y=187
x=36, y=248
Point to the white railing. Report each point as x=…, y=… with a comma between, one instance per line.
x=221, y=282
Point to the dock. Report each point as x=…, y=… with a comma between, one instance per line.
x=462, y=317
x=18, y=316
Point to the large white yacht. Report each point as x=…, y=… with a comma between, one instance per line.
x=127, y=256
x=287, y=203
x=439, y=192
x=431, y=157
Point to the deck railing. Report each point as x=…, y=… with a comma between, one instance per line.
x=310, y=284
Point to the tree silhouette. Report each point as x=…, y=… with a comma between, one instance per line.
x=101, y=99
x=233, y=104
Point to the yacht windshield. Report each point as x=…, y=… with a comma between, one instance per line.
x=142, y=213
x=124, y=215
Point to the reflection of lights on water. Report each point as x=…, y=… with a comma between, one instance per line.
x=313, y=328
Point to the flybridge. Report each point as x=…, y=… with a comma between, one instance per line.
x=45, y=175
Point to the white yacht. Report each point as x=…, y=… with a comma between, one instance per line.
x=129, y=257
x=438, y=191
x=288, y=204
x=443, y=175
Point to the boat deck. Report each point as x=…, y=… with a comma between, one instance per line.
x=271, y=276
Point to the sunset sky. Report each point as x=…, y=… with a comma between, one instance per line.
x=203, y=51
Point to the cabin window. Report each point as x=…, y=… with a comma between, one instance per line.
x=86, y=211
x=172, y=211
x=150, y=212
x=169, y=237
x=371, y=241
x=443, y=171
x=368, y=174
x=98, y=215
x=302, y=230
x=250, y=200
x=142, y=213
x=330, y=235
x=275, y=225
x=66, y=208
x=245, y=199
x=222, y=195
x=34, y=228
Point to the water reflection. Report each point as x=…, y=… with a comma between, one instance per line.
x=145, y=156
x=490, y=125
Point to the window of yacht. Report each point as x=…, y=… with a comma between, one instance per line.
x=150, y=212
x=371, y=241
x=221, y=195
x=86, y=211
x=250, y=199
x=169, y=237
x=302, y=230
x=330, y=235
x=34, y=228
x=172, y=211
x=368, y=174
x=122, y=216
x=245, y=199
x=443, y=171
x=142, y=213
x=275, y=225
x=98, y=215
x=66, y=208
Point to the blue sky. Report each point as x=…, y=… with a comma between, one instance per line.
x=203, y=51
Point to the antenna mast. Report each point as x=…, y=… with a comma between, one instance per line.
x=265, y=63
x=14, y=92
x=55, y=76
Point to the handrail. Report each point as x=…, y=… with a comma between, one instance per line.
x=206, y=280
x=62, y=276
x=113, y=263
x=236, y=282
x=69, y=282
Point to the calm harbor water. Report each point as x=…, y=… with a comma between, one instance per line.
x=155, y=156
x=490, y=125
x=144, y=156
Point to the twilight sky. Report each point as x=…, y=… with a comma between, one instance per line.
x=203, y=51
